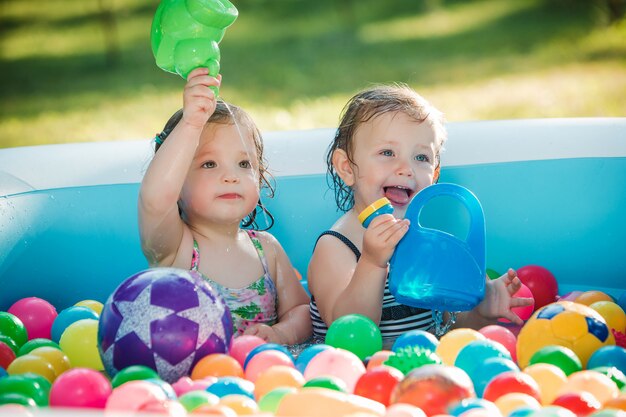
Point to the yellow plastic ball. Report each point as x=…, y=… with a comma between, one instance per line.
x=32, y=364
x=96, y=306
x=589, y=297
x=612, y=313
x=241, y=404
x=597, y=384
x=56, y=357
x=452, y=342
x=79, y=341
x=550, y=379
x=510, y=402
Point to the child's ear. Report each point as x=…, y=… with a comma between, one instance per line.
x=436, y=174
x=343, y=167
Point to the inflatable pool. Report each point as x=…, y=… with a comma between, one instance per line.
x=553, y=192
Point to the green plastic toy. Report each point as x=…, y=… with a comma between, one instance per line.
x=185, y=34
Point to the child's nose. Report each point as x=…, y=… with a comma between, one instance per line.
x=230, y=176
x=404, y=169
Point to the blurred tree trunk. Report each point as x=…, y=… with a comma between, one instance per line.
x=109, y=29
x=616, y=9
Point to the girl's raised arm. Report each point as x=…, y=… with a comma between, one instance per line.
x=160, y=226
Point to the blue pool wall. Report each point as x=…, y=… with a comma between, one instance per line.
x=68, y=216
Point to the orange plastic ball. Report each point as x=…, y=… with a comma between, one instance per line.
x=218, y=365
x=550, y=379
x=275, y=377
x=599, y=385
x=240, y=404
x=589, y=297
x=378, y=358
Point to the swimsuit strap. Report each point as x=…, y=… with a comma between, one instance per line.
x=195, y=258
x=259, y=250
x=345, y=240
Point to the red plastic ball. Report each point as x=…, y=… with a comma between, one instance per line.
x=6, y=355
x=579, y=403
x=378, y=383
x=513, y=381
x=541, y=283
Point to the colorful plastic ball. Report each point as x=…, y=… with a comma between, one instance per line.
x=489, y=369
x=241, y=346
x=417, y=338
x=167, y=408
x=10, y=343
x=550, y=379
x=270, y=401
x=609, y=356
x=134, y=396
x=553, y=411
x=559, y=356
x=214, y=410
x=541, y=283
x=164, y=386
x=336, y=362
x=163, y=318
x=621, y=300
x=68, y=316
x=433, y=388
x=617, y=403
x=228, y=385
x=3, y=372
x=264, y=360
x=36, y=314
x=492, y=274
x=407, y=358
x=328, y=382
x=6, y=355
x=503, y=336
x=217, y=364
x=355, y=333
x=36, y=343
x=571, y=325
x=509, y=382
x=589, y=297
x=452, y=342
x=275, y=377
x=263, y=348
x=613, y=314
x=32, y=364
x=580, y=403
x=467, y=404
x=80, y=343
x=524, y=312
x=476, y=352
x=13, y=398
x=133, y=373
x=523, y=411
x=596, y=383
x=55, y=357
x=378, y=383
x=194, y=399
x=29, y=385
x=319, y=402
x=13, y=327
x=307, y=354
x=512, y=401
x=80, y=387
x=615, y=374
x=241, y=404
x=96, y=306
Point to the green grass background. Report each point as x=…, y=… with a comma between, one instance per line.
x=294, y=63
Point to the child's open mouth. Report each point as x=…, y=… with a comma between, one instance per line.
x=398, y=195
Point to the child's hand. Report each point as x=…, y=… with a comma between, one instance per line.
x=499, y=298
x=198, y=99
x=381, y=238
x=265, y=332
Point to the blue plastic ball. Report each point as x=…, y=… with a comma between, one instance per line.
x=416, y=338
x=307, y=354
x=231, y=385
x=68, y=316
x=267, y=346
x=608, y=356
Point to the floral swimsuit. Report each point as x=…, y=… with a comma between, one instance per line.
x=256, y=303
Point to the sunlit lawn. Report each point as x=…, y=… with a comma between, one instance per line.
x=489, y=59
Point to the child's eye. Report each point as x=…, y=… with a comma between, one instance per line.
x=422, y=158
x=245, y=164
x=209, y=164
x=386, y=152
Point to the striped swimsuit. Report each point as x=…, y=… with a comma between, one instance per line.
x=396, y=318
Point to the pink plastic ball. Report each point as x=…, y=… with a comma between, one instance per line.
x=186, y=384
x=36, y=314
x=524, y=313
x=341, y=363
x=80, y=387
x=503, y=336
x=134, y=395
x=264, y=360
x=242, y=345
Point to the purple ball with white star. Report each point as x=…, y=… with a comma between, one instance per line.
x=164, y=318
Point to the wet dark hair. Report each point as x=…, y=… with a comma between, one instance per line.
x=365, y=106
x=226, y=113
